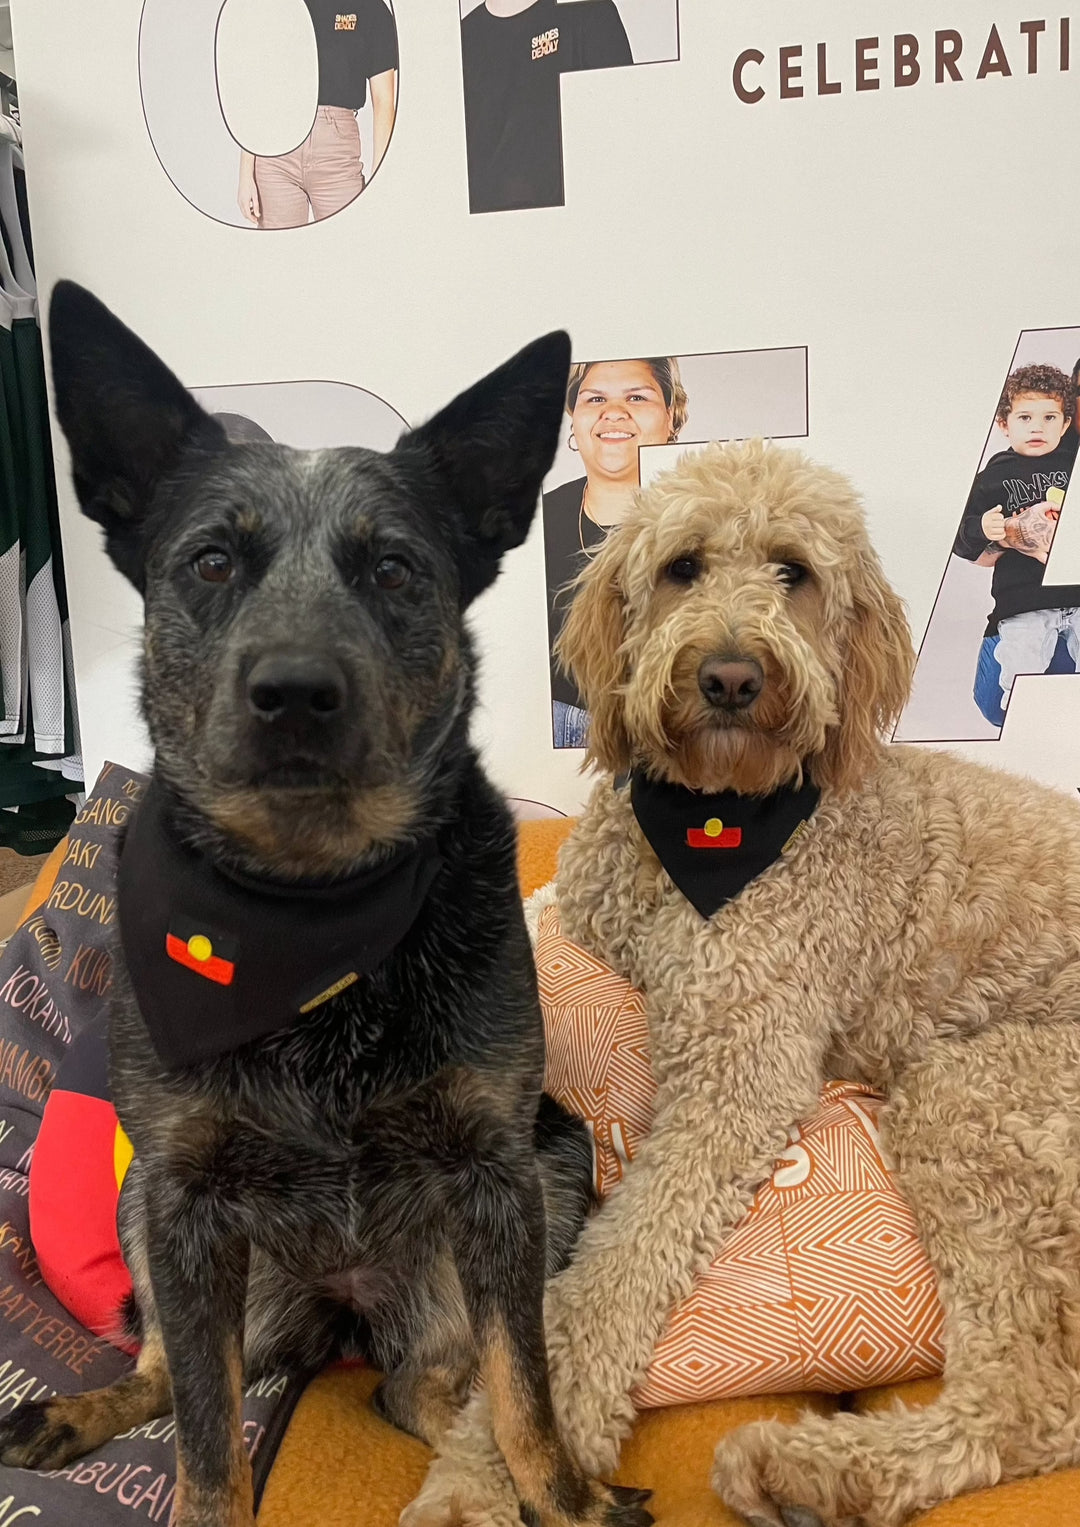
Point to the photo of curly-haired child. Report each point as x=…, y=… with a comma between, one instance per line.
x=1009, y=524
x=996, y=617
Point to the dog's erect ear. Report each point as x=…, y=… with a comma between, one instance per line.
x=876, y=677
x=490, y=450
x=590, y=649
x=127, y=419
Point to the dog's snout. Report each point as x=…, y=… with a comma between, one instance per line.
x=295, y=689
x=730, y=683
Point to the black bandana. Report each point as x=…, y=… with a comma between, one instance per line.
x=714, y=845
x=217, y=961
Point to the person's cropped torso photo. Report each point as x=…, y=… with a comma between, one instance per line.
x=357, y=59
x=512, y=65
x=614, y=407
x=1017, y=482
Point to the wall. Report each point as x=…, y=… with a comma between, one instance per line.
x=899, y=240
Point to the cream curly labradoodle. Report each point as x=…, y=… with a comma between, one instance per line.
x=920, y=934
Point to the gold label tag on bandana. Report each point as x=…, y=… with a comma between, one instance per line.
x=794, y=837
x=331, y=991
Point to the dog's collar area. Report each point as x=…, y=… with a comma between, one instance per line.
x=218, y=960
x=343, y=888
x=713, y=846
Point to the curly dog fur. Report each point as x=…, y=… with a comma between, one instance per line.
x=921, y=935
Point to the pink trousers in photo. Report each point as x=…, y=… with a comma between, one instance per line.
x=324, y=173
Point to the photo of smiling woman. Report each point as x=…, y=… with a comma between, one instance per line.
x=614, y=407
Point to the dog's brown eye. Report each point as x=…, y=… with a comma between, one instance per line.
x=214, y=566
x=392, y=572
x=684, y=569
x=792, y=573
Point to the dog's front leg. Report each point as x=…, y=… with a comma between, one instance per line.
x=722, y=1119
x=498, y=1237
x=198, y=1264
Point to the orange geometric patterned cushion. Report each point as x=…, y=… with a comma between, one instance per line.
x=824, y=1285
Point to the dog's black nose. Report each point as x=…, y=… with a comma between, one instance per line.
x=294, y=689
x=730, y=683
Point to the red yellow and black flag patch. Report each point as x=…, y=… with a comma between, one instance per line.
x=201, y=949
x=713, y=835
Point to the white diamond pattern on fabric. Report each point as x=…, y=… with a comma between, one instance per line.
x=823, y=1285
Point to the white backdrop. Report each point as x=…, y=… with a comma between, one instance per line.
x=905, y=236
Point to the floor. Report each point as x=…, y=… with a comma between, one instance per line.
x=18, y=869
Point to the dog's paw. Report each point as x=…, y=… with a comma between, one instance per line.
x=619, y=1506
x=34, y=1437
x=757, y=1474
x=240, y=1516
x=454, y=1497
x=792, y=1516
x=608, y=1506
x=448, y=1502
x=457, y=1512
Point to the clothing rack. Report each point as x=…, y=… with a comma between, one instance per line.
x=7, y=60
x=40, y=767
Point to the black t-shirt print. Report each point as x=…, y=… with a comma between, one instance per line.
x=512, y=66
x=356, y=40
x=1013, y=482
x=569, y=537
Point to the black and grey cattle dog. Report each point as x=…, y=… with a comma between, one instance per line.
x=326, y=1043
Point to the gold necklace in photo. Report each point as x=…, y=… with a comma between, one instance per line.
x=590, y=551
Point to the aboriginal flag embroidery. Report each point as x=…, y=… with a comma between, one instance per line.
x=712, y=846
x=714, y=835
x=207, y=953
x=220, y=960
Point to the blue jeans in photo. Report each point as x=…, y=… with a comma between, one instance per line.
x=569, y=724
x=988, y=693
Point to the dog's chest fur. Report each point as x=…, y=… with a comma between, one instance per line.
x=312, y=1130
x=888, y=922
